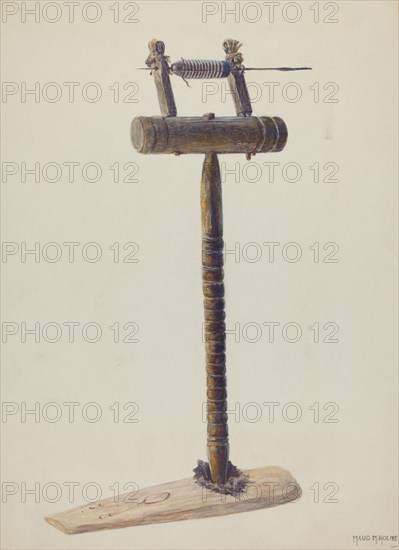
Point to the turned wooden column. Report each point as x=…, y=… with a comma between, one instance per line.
x=215, y=328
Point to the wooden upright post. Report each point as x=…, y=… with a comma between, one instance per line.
x=215, y=328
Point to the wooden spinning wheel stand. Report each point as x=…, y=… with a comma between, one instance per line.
x=218, y=487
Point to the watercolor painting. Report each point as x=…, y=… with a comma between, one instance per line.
x=218, y=487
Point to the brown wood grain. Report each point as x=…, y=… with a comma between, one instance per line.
x=163, y=86
x=215, y=328
x=179, y=500
x=155, y=135
x=239, y=91
x=157, y=61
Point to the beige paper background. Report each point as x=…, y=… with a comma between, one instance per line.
x=164, y=372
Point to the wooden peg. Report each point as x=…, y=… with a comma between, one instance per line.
x=158, y=62
x=236, y=78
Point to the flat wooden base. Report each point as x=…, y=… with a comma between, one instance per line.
x=179, y=500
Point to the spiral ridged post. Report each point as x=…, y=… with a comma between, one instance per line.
x=215, y=328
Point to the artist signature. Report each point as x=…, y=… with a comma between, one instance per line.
x=377, y=539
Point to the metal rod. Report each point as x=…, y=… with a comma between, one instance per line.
x=248, y=69
x=277, y=68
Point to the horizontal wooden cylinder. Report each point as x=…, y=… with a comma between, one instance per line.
x=155, y=135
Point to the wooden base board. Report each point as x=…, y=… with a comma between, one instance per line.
x=179, y=500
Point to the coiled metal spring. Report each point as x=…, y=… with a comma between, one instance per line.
x=201, y=68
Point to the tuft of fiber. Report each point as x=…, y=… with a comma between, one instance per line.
x=235, y=484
